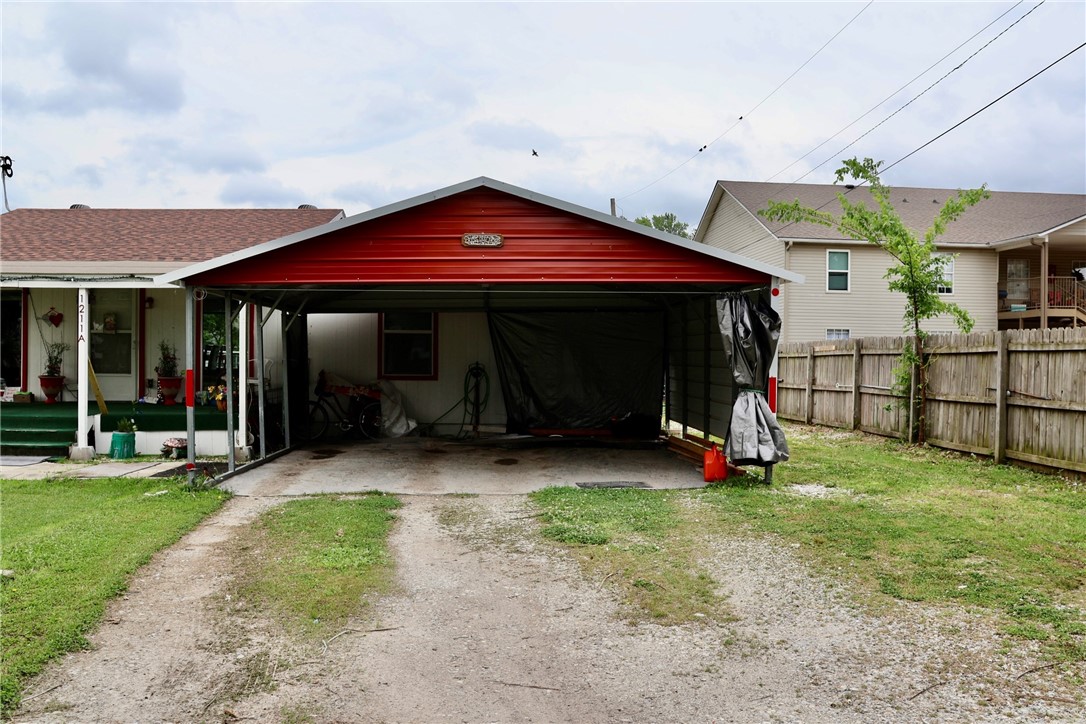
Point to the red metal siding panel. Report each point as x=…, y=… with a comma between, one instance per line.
x=423, y=245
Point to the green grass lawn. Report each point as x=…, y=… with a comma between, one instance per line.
x=316, y=561
x=73, y=545
x=899, y=522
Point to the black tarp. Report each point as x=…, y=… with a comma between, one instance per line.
x=579, y=370
x=750, y=330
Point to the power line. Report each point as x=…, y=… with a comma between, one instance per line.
x=918, y=95
x=972, y=115
x=989, y=105
x=758, y=105
x=909, y=83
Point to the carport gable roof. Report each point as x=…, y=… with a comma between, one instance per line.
x=419, y=240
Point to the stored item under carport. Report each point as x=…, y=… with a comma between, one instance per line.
x=715, y=465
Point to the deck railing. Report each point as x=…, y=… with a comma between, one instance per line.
x=1063, y=293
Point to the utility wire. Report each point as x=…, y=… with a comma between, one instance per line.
x=909, y=83
x=972, y=115
x=759, y=104
x=918, y=95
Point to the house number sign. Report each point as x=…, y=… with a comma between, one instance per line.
x=489, y=241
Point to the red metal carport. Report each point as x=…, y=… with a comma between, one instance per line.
x=487, y=246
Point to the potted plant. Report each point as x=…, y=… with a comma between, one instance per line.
x=123, y=443
x=218, y=394
x=23, y=396
x=169, y=382
x=52, y=382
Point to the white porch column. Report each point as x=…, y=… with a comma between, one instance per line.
x=242, y=441
x=81, y=450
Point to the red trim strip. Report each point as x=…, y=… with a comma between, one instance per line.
x=773, y=395
x=190, y=388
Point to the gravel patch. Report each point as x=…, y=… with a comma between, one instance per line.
x=491, y=623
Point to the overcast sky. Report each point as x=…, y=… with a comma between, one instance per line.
x=354, y=106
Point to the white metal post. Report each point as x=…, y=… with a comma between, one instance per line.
x=231, y=458
x=81, y=450
x=778, y=306
x=258, y=311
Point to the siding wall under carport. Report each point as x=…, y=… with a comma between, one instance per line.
x=346, y=344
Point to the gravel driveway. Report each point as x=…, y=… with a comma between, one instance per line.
x=491, y=624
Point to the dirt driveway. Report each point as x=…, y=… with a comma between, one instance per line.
x=491, y=625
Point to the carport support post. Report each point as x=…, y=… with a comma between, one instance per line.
x=284, y=326
x=231, y=440
x=259, y=313
x=190, y=411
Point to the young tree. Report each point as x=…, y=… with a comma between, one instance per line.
x=917, y=271
x=668, y=222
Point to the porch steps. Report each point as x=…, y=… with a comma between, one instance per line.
x=38, y=428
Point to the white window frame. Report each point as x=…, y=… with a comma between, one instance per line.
x=834, y=333
x=948, y=266
x=847, y=272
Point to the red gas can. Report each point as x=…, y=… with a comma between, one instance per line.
x=716, y=465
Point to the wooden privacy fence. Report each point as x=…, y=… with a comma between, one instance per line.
x=1017, y=394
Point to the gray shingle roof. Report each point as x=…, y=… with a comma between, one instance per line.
x=145, y=235
x=1006, y=215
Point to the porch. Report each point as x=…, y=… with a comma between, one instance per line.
x=1043, y=302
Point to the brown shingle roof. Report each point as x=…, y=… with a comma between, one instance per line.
x=1006, y=215
x=146, y=235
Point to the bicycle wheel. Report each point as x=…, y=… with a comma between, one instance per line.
x=316, y=422
x=369, y=420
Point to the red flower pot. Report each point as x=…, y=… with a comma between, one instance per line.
x=51, y=386
x=169, y=387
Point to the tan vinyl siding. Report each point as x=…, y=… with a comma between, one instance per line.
x=732, y=228
x=869, y=308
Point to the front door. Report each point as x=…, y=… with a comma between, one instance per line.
x=113, y=342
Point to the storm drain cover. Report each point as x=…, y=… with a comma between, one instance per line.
x=613, y=484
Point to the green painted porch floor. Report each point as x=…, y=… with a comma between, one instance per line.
x=50, y=429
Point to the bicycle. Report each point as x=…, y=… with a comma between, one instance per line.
x=362, y=416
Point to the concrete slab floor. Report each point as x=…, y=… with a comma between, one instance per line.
x=430, y=466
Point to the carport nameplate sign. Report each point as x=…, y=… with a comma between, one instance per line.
x=489, y=241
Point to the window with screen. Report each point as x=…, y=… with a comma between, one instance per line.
x=946, y=284
x=838, y=270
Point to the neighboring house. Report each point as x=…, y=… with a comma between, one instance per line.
x=1015, y=256
x=47, y=255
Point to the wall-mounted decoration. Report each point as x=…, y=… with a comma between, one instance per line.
x=53, y=317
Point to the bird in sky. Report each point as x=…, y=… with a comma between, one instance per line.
x=535, y=152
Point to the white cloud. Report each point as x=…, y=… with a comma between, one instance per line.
x=364, y=104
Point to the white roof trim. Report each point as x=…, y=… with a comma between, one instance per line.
x=1026, y=237
x=179, y=275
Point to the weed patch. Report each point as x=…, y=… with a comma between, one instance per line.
x=925, y=526
x=640, y=543
x=315, y=561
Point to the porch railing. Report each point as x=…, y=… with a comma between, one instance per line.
x=1024, y=294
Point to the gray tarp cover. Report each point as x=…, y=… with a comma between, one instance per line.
x=579, y=370
x=750, y=330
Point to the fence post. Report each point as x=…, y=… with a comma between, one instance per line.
x=999, y=445
x=857, y=378
x=809, y=407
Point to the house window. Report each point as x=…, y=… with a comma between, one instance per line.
x=837, y=270
x=837, y=333
x=1018, y=279
x=408, y=345
x=946, y=285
